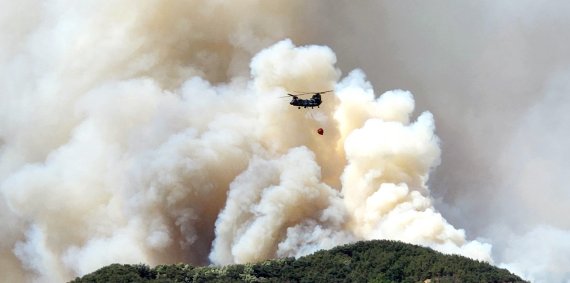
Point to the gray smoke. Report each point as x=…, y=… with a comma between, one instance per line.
x=154, y=132
x=495, y=75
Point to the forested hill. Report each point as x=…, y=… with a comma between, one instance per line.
x=369, y=261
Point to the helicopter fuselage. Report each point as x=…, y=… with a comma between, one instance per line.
x=314, y=101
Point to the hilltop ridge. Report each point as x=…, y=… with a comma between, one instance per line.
x=365, y=261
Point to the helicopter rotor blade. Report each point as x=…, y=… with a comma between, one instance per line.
x=288, y=94
x=323, y=92
x=300, y=93
x=313, y=92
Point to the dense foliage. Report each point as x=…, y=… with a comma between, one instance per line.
x=370, y=261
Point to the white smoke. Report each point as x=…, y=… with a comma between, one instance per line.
x=495, y=76
x=534, y=169
x=132, y=133
x=540, y=255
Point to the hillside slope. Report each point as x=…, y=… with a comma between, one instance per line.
x=367, y=261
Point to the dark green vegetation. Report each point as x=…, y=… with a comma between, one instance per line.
x=371, y=261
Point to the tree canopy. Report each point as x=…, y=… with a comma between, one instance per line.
x=366, y=261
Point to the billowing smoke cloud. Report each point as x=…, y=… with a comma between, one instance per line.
x=134, y=132
x=495, y=76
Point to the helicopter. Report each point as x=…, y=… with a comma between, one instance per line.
x=314, y=101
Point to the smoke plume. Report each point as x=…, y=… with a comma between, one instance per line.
x=495, y=76
x=155, y=132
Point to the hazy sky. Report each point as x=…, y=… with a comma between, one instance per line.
x=153, y=131
x=496, y=77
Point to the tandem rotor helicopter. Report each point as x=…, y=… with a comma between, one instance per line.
x=314, y=101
